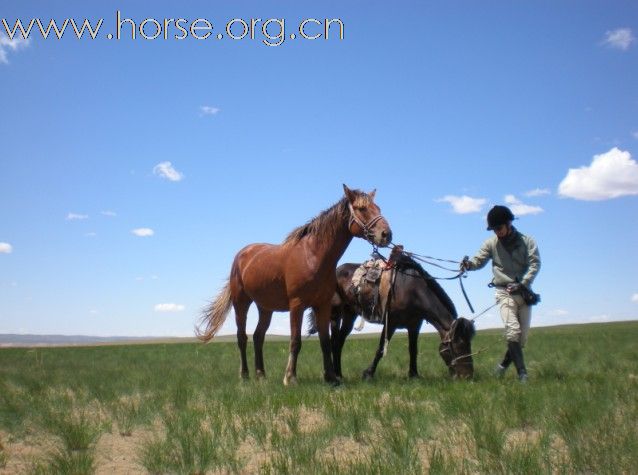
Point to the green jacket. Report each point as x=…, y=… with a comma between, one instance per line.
x=520, y=263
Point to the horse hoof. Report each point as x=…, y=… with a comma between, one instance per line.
x=259, y=374
x=414, y=376
x=367, y=375
x=290, y=380
x=244, y=375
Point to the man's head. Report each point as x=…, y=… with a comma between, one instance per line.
x=499, y=220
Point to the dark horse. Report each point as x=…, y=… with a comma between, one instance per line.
x=414, y=296
x=295, y=275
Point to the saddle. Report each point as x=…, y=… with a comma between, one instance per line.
x=366, y=283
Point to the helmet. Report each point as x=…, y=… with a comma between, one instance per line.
x=498, y=215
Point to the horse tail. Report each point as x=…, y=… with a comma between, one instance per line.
x=311, y=323
x=214, y=315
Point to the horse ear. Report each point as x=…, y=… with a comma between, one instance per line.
x=372, y=193
x=349, y=194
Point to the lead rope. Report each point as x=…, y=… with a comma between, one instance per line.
x=387, y=311
x=484, y=311
x=453, y=362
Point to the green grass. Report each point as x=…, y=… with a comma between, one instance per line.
x=576, y=415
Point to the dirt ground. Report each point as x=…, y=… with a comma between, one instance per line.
x=114, y=454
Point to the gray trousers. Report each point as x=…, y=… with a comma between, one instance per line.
x=515, y=314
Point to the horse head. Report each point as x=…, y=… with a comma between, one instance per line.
x=366, y=220
x=456, y=348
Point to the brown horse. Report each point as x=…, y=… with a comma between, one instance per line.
x=295, y=275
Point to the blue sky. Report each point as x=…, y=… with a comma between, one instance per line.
x=446, y=108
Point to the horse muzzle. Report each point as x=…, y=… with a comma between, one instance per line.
x=382, y=237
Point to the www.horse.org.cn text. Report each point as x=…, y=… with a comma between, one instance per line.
x=270, y=31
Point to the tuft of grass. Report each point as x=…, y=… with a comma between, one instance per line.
x=127, y=412
x=67, y=462
x=77, y=431
x=194, y=442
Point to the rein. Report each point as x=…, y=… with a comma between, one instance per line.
x=459, y=274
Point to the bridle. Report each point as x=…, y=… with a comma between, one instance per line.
x=447, y=342
x=365, y=227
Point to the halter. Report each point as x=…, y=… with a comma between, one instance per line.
x=365, y=227
x=447, y=341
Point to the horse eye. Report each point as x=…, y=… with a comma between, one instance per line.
x=362, y=208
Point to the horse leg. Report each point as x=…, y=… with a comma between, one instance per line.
x=323, y=322
x=369, y=373
x=258, y=338
x=339, y=339
x=241, y=311
x=296, y=319
x=413, y=337
x=335, y=324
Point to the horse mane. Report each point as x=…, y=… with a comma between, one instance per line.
x=406, y=262
x=327, y=223
x=464, y=328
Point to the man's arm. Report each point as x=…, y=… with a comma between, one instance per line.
x=481, y=258
x=533, y=263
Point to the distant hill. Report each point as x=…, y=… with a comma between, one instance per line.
x=10, y=340
x=14, y=340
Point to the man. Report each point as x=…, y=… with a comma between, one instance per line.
x=515, y=263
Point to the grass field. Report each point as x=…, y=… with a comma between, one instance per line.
x=181, y=408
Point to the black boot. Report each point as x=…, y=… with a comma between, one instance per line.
x=507, y=360
x=516, y=353
x=500, y=369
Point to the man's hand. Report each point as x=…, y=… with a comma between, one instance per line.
x=465, y=264
x=513, y=288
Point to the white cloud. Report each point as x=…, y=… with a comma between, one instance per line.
x=143, y=232
x=537, y=192
x=463, y=204
x=209, y=110
x=5, y=248
x=169, y=307
x=634, y=297
x=620, y=38
x=7, y=44
x=166, y=170
x=519, y=208
x=76, y=217
x=610, y=175
x=110, y=214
